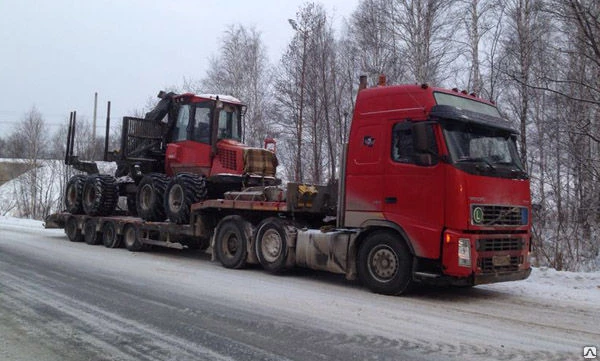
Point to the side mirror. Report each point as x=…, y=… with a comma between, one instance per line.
x=423, y=139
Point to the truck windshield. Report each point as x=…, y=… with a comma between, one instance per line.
x=229, y=123
x=483, y=150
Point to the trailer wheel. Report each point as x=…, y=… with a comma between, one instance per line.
x=231, y=243
x=100, y=195
x=90, y=235
x=183, y=191
x=149, y=197
x=272, y=245
x=131, y=238
x=385, y=263
x=73, y=194
x=110, y=237
x=72, y=230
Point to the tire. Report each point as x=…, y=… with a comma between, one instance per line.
x=74, y=193
x=72, y=230
x=183, y=191
x=110, y=237
x=131, y=238
x=231, y=243
x=385, y=263
x=100, y=195
x=90, y=235
x=150, y=195
x=272, y=245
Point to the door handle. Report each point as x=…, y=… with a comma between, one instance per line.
x=390, y=200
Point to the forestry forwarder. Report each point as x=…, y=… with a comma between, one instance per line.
x=184, y=150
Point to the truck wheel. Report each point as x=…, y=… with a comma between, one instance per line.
x=385, y=263
x=131, y=238
x=183, y=191
x=72, y=230
x=73, y=194
x=90, y=235
x=149, y=197
x=272, y=245
x=231, y=243
x=100, y=195
x=110, y=237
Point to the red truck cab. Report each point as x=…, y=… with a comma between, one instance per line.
x=441, y=169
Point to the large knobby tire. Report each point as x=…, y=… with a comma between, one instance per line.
x=100, y=195
x=385, y=263
x=272, y=245
x=231, y=242
x=149, y=198
x=183, y=191
x=110, y=237
x=90, y=235
x=72, y=230
x=74, y=193
x=131, y=238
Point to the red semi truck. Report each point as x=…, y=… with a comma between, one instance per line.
x=431, y=190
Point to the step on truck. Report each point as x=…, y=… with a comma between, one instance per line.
x=431, y=190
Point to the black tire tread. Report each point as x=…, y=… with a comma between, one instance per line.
x=107, y=195
x=78, y=182
x=159, y=183
x=195, y=190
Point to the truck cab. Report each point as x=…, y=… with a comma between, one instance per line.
x=440, y=169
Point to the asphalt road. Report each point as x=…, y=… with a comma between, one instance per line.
x=70, y=301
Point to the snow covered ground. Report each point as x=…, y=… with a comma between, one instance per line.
x=550, y=316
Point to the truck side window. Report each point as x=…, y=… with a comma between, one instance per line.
x=183, y=118
x=403, y=145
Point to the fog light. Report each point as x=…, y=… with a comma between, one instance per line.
x=464, y=252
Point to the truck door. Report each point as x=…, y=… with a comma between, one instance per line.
x=414, y=189
x=190, y=150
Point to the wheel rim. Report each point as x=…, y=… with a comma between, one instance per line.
x=383, y=263
x=146, y=195
x=109, y=235
x=175, y=198
x=271, y=245
x=90, y=195
x=72, y=195
x=231, y=244
x=129, y=237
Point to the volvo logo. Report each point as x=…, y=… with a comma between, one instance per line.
x=477, y=215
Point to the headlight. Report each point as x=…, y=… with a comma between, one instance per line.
x=464, y=252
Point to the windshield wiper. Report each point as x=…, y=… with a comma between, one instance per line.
x=478, y=160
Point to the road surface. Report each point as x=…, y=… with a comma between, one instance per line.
x=69, y=301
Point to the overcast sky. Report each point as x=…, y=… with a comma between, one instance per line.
x=56, y=53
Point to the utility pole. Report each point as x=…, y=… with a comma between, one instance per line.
x=304, y=33
x=95, y=112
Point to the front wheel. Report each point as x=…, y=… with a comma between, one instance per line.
x=385, y=263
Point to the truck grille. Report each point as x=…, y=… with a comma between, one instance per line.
x=500, y=244
x=227, y=159
x=490, y=215
x=487, y=265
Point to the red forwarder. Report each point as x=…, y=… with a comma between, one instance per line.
x=431, y=190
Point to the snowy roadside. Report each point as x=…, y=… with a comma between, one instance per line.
x=574, y=288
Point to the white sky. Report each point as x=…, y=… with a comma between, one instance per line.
x=56, y=54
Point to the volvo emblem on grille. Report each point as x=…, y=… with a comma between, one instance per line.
x=477, y=215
